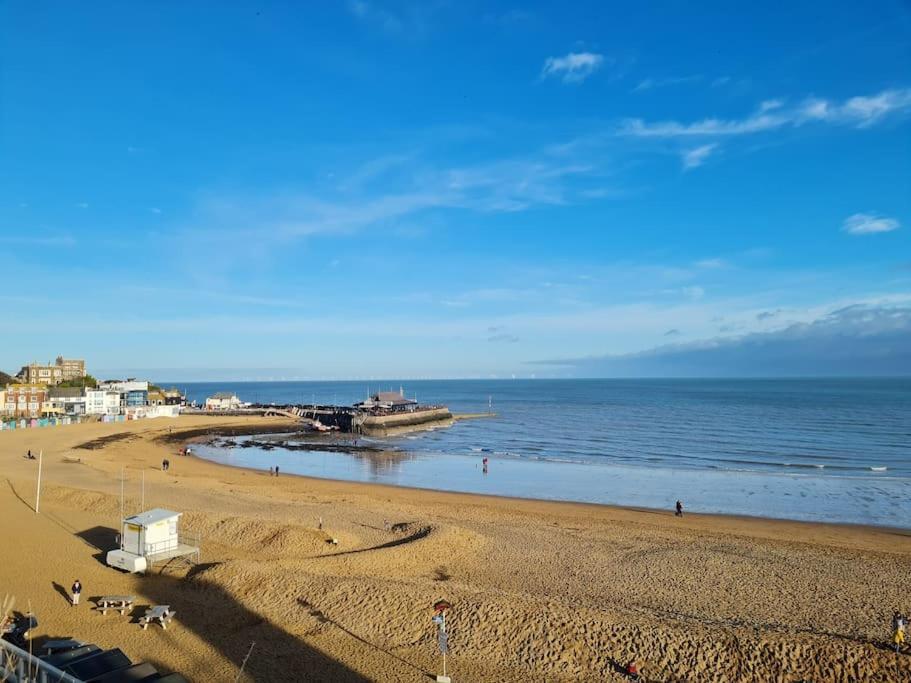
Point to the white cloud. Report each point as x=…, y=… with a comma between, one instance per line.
x=861, y=112
x=693, y=158
x=650, y=83
x=769, y=105
x=868, y=224
x=572, y=68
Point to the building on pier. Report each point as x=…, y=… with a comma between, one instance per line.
x=388, y=401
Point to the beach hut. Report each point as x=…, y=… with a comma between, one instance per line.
x=150, y=537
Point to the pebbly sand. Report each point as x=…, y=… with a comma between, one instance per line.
x=541, y=591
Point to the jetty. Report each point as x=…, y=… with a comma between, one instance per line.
x=385, y=412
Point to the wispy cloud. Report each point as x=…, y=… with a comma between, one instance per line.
x=693, y=158
x=652, y=83
x=501, y=186
x=574, y=67
x=860, y=112
x=503, y=338
x=868, y=224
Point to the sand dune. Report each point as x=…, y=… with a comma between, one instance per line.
x=541, y=591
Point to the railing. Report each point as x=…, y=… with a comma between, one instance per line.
x=163, y=547
x=19, y=666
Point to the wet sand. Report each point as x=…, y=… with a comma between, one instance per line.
x=540, y=590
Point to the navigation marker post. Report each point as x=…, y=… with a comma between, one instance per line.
x=439, y=619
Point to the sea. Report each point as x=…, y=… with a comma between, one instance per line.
x=835, y=450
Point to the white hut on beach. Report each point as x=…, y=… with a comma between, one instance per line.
x=150, y=537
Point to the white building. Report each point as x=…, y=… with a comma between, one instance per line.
x=94, y=401
x=112, y=403
x=138, y=412
x=125, y=386
x=102, y=402
x=66, y=400
x=223, y=401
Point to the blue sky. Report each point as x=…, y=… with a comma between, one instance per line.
x=439, y=189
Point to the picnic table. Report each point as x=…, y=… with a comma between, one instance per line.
x=160, y=613
x=121, y=603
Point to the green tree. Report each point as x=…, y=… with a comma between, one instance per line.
x=87, y=381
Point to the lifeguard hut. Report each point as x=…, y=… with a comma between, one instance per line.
x=151, y=537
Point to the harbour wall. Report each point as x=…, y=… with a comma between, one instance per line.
x=384, y=424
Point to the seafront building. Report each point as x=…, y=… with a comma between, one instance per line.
x=65, y=401
x=223, y=400
x=25, y=400
x=114, y=399
x=63, y=370
x=389, y=401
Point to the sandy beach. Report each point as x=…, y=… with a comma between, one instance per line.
x=541, y=591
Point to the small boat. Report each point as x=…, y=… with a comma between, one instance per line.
x=878, y=469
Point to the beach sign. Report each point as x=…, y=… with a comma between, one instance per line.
x=442, y=641
x=439, y=618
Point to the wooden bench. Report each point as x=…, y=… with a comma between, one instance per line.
x=160, y=613
x=121, y=603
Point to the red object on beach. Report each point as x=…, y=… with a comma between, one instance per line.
x=441, y=606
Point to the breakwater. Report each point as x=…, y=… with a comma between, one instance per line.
x=345, y=419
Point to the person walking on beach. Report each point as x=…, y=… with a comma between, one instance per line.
x=679, y=506
x=76, y=590
x=276, y=470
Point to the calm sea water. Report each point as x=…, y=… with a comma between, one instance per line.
x=837, y=450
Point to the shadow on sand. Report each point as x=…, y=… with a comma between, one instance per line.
x=217, y=618
x=62, y=591
x=101, y=538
